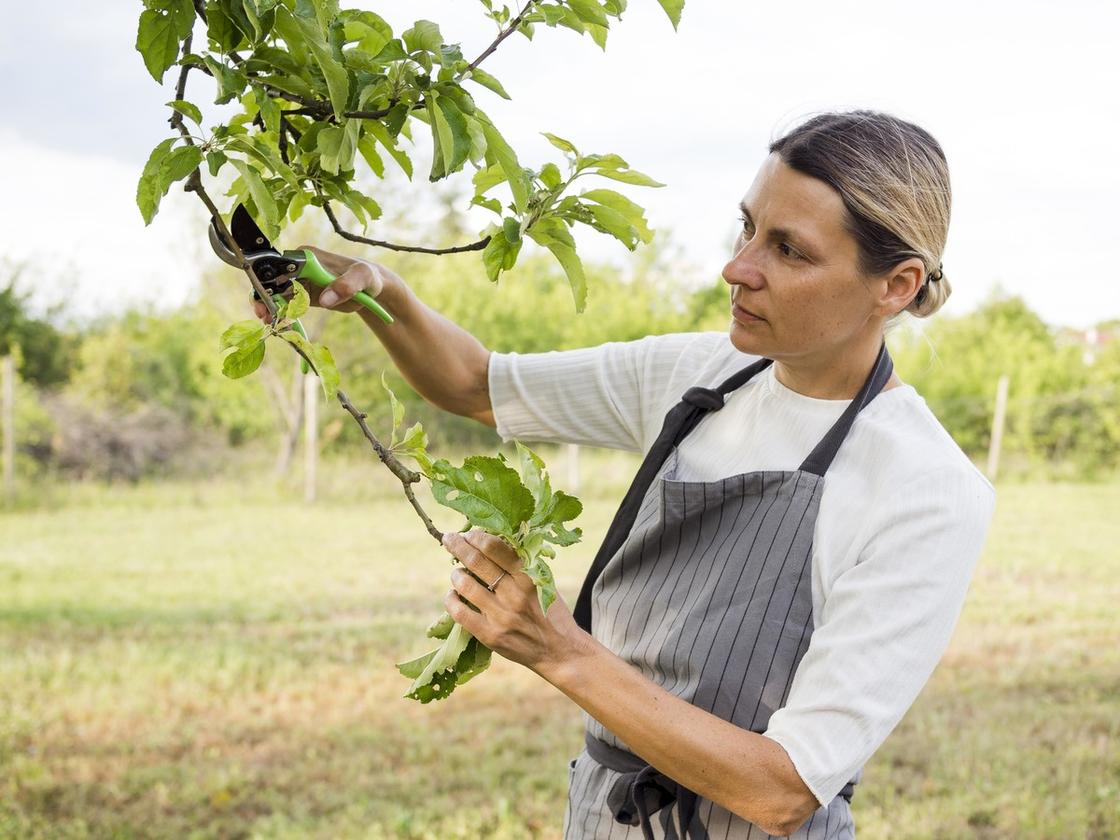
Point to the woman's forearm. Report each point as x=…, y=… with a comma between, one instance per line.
x=444, y=363
x=747, y=773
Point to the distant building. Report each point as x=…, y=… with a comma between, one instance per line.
x=1090, y=340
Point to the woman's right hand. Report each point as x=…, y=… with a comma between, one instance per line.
x=351, y=276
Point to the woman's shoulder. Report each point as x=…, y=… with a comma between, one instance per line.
x=898, y=440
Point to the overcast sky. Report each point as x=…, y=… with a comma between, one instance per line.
x=1022, y=96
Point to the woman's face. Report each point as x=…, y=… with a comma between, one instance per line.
x=795, y=267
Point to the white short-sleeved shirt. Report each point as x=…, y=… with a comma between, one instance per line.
x=901, y=523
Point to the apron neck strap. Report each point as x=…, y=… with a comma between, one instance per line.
x=821, y=457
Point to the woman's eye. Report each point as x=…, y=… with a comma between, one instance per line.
x=789, y=252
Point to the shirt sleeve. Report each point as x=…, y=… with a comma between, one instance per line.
x=885, y=624
x=610, y=395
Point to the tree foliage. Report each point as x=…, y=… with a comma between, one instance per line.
x=327, y=96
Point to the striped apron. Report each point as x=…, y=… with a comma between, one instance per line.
x=705, y=587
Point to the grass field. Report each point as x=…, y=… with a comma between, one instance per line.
x=207, y=661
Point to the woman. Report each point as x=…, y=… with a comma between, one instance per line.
x=756, y=631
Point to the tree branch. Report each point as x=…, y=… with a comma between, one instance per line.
x=407, y=477
x=416, y=249
x=505, y=33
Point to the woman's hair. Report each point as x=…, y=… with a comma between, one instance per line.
x=894, y=182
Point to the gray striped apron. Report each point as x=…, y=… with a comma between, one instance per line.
x=705, y=587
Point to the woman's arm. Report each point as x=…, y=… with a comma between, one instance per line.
x=747, y=773
x=443, y=362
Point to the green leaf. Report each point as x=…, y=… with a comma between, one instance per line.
x=269, y=110
x=300, y=302
x=159, y=33
x=436, y=673
x=148, y=192
x=589, y=11
x=507, y=160
x=499, y=254
x=450, y=135
x=632, y=212
x=534, y=477
x=553, y=234
x=398, y=410
x=414, y=444
x=338, y=80
x=368, y=150
x=424, y=35
x=230, y=82
x=488, y=178
x=221, y=29
x=485, y=490
x=608, y=168
x=550, y=175
x=215, y=160
x=242, y=334
x=561, y=144
x=330, y=141
x=440, y=628
x=327, y=369
x=382, y=134
x=487, y=81
x=188, y=110
x=262, y=197
x=321, y=360
x=165, y=166
x=178, y=165
x=244, y=360
x=673, y=9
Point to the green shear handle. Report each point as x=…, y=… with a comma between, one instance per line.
x=313, y=270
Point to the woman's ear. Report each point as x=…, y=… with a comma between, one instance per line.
x=903, y=283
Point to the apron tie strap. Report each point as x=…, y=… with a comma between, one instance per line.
x=642, y=791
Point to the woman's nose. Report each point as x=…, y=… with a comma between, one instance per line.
x=739, y=269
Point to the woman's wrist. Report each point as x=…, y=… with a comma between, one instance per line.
x=575, y=656
x=394, y=296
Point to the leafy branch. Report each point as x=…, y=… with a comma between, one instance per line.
x=321, y=87
x=326, y=93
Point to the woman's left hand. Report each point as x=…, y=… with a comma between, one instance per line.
x=510, y=621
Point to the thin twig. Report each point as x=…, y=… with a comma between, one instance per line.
x=415, y=249
x=407, y=477
x=505, y=33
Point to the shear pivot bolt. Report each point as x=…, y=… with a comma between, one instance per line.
x=291, y=267
x=260, y=240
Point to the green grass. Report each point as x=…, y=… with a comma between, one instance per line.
x=211, y=661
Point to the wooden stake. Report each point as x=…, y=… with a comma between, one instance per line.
x=997, y=427
x=8, y=424
x=573, y=469
x=310, y=435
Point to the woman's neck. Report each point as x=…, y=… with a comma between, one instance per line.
x=832, y=376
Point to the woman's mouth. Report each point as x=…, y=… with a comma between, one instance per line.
x=742, y=315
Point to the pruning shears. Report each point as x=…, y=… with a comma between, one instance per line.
x=277, y=270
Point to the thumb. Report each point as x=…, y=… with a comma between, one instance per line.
x=357, y=277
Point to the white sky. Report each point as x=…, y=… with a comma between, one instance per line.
x=1022, y=96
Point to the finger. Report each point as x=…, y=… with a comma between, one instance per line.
x=461, y=613
x=473, y=559
x=467, y=585
x=260, y=310
x=495, y=549
x=354, y=279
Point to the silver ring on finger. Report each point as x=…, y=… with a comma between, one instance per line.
x=495, y=583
